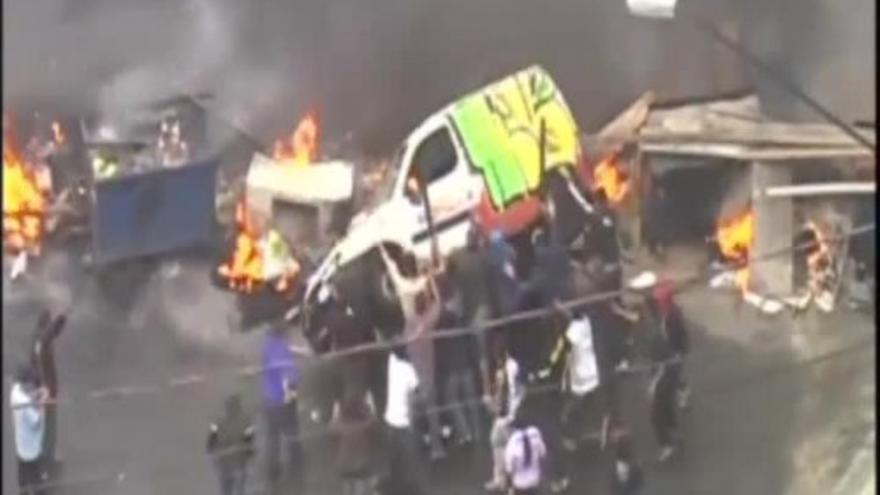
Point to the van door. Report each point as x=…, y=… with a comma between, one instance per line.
x=439, y=161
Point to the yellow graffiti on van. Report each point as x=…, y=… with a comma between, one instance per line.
x=500, y=129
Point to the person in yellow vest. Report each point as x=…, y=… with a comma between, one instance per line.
x=278, y=264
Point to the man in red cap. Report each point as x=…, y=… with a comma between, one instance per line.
x=673, y=334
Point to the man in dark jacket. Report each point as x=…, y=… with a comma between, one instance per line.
x=664, y=413
x=467, y=270
x=43, y=360
x=347, y=332
x=230, y=444
x=505, y=288
x=673, y=335
x=457, y=364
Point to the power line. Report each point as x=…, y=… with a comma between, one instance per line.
x=680, y=285
x=710, y=390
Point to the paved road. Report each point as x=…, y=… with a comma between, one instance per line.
x=764, y=418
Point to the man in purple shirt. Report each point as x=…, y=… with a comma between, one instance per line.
x=279, y=398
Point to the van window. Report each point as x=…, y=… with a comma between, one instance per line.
x=436, y=156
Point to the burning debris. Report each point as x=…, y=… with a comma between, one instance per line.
x=27, y=188
x=823, y=268
x=610, y=176
x=301, y=148
x=733, y=238
x=259, y=259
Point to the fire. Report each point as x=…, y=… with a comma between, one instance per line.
x=24, y=203
x=734, y=236
x=245, y=268
x=609, y=177
x=251, y=265
x=301, y=148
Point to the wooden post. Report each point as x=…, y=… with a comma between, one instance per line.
x=637, y=189
x=429, y=216
x=542, y=156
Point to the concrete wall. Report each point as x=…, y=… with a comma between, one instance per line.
x=774, y=231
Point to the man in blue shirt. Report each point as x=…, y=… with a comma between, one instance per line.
x=279, y=398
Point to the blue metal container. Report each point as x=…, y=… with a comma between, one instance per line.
x=154, y=212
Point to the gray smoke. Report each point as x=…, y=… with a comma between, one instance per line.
x=826, y=47
x=377, y=67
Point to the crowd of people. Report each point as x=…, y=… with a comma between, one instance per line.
x=539, y=393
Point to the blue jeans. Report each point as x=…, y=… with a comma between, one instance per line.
x=464, y=402
x=282, y=431
x=232, y=478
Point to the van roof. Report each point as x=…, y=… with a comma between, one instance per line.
x=500, y=124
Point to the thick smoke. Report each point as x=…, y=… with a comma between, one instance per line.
x=374, y=67
x=377, y=67
x=827, y=48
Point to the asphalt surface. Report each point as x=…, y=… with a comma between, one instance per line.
x=779, y=405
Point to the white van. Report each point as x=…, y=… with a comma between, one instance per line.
x=477, y=162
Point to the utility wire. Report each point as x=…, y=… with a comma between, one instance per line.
x=702, y=392
x=680, y=285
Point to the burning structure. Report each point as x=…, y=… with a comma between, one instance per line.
x=288, y=200
x=26, y=190
x=787, y=240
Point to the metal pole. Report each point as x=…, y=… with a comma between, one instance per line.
x=820, y=189
x=423, y=187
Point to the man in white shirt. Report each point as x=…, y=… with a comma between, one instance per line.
x=407, y=474
x=27, y=401
x=583, y=406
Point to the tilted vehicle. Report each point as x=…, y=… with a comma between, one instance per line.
x=477, y=163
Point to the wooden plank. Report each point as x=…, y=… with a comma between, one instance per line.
x=626, y=125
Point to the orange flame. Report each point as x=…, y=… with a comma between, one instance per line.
x=609, y=177
x=244, y=271
x=734, y=236
x=24, y=203
x=301, y=148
